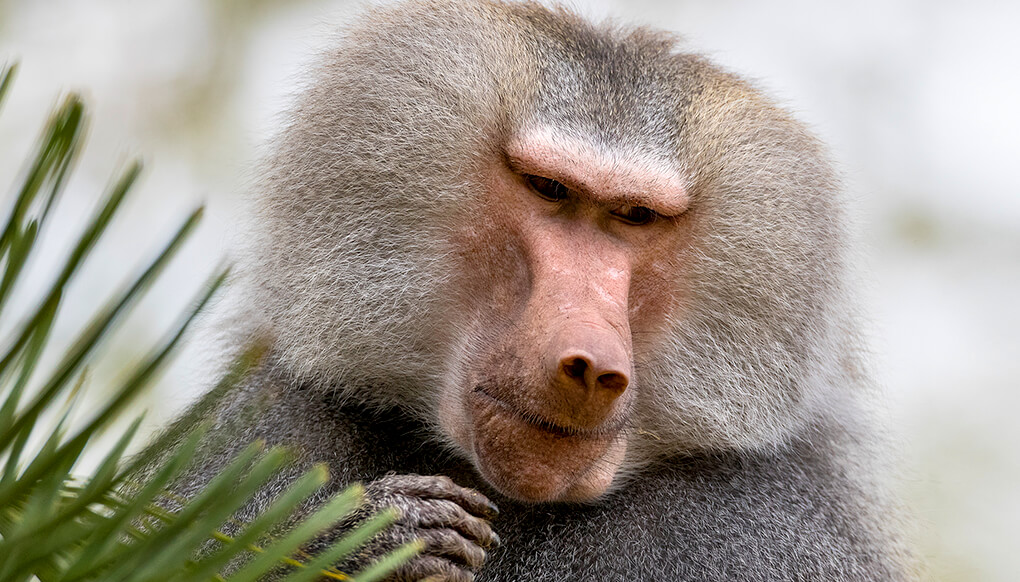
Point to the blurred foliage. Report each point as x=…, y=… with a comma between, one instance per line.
x=110, y=524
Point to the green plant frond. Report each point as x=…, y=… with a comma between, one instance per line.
x=7, y=72
x=16, y=259
x=347, y=545
x=120, y=523
x=91, y=335
x=72, y=449
x=56, y=152
x=172, y=545
x=28, y=362
x=278, y=512
x=387, y=564
x=167, y=440
x=88, y=340
x=103, y=539
x=99, y=484
x=37, y=333
x=340, y=506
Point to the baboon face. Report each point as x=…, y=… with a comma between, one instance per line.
x=573, y=248
x=563, y=263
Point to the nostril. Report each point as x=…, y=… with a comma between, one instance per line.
x=575, y=368
x=583, y=372
x=612, y=381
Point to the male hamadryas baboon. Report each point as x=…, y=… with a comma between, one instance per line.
x=508, y=257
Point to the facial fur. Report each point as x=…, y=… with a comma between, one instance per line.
x=554, y=342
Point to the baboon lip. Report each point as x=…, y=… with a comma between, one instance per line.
x=603, y=432
x=535, y=461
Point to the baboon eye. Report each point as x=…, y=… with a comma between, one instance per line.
x=549, y=189
x=636, y=215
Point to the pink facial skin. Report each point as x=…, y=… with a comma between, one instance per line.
x=557, y=289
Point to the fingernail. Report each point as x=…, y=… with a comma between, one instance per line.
x=495, y=540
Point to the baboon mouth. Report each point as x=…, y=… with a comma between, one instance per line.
x=603, y=432
x=529, y=458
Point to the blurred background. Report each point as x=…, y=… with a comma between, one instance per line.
x=919, y=99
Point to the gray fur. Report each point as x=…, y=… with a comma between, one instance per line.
x=752, y=456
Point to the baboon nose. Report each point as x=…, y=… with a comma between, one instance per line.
x=583, y=369
x=590, y=370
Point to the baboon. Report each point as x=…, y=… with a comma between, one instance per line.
x=511, y=258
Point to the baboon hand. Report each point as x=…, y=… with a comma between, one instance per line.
x=452, y=521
